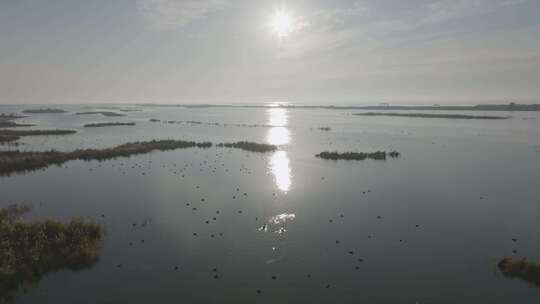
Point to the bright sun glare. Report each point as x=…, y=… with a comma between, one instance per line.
x=282, y=23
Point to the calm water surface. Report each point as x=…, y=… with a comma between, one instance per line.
x=428, y=227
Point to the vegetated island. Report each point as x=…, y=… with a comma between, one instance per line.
x=379, y=155
x=250, y=146
x=31, y=249
x=44, y=111
x=5, y=139
x=193, y=122
x=425, y=115
x=24, y=161
x=115, y=108
x=12, y=124
x=7, y=121
x=14, y=135
x=108, y=124
x=104, y=113
x=521, y=269
x=11, y=116
x=19, y=161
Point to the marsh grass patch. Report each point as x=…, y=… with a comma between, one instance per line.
x=31, y=249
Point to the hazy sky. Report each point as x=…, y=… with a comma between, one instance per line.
x=224, y=51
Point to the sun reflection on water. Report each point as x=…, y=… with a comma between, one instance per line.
x=279, y=135
x=278, y=117
x=279, y=165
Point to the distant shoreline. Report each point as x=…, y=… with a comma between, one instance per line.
x=510, y=107
x=487, y=107
x=425, y=115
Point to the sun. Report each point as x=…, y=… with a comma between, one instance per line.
x=282, y=23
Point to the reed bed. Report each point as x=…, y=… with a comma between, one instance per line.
x=31, y=249
x=21, y=161
x=250, y=146
x=108, y=124
x=378, y=155
x=104, y=113
x=44, y=111
x=521, y=269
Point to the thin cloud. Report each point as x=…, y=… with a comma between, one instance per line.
x=174, y=14
x=329, y=29
x=321, y=30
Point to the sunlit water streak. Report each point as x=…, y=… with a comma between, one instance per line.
x=278, y=117
x=282, y=218
x=279, y=135
x=279, y=165
x=278, y=220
